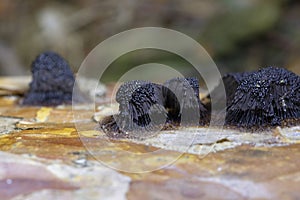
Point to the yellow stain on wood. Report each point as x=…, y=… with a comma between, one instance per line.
x=43, y=114
x=90, y=133
x=5, y=140
x=64, y=131
x=48, y=132
x=7, y=101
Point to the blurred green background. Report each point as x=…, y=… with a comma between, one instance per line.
x=239, y=35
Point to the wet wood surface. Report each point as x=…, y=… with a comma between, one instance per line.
x=46, y=153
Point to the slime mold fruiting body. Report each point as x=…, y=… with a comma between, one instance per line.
x=52, y=81
x=265, y=97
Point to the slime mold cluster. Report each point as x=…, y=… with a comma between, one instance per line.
x=265, y=98
x=144, y=106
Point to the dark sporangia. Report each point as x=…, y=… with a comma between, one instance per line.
x=144, y=106
x=262, y=98
x=181, y=96
x=140, y=102
x=52, y=81
x=231, y=82
x=140, y=109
